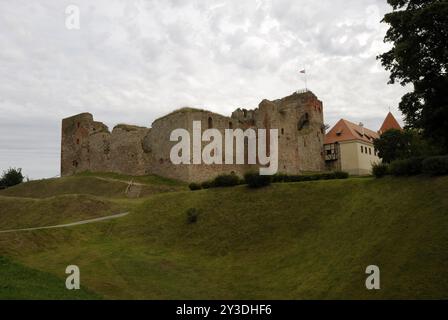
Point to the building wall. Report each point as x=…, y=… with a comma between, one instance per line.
x=88, y=145
x=356, y=162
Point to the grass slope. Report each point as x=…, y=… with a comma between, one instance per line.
x=20, y=282
x=309, y=240
x=106, y=185
x=16, y=212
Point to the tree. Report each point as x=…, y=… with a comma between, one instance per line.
x=418, y=30
x=402, y=144
x=11, y=177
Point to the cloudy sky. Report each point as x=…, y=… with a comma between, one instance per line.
x=132, y=61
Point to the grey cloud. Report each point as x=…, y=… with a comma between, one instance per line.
x=133, y=61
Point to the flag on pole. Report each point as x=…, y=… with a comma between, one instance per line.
x=303, y=71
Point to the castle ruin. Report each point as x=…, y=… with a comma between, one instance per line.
x=88, y=145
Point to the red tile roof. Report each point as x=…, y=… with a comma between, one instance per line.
x=345, y=130
x=389, y=123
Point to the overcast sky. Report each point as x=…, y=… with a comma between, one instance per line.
x=132, y=61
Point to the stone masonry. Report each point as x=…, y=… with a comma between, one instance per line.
x=88, y=145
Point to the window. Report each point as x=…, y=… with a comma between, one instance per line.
x=78, y=124
x=370, y=150
x=331, y=151
x=362, y=149
x=210, y=122
x=77, y=141
x=283, y=131
x=303, y=122
x=230, y=125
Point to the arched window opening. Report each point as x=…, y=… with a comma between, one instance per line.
x=303, y=122
x=210, y=122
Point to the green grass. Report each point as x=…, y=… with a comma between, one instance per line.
x=20, y=282
x=309, y=240
x=106, y=185
x=27, y=212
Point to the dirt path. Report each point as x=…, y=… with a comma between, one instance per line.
x=69, y=224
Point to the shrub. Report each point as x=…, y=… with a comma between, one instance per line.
x=310, y=177
x=341, y=175
x=207, y=184
x=192, y=215
x=279, y=177
x=194, y=186
x=379, y=170
x=255, y=180
x=226, y=180
x=11, y=177
x=406, y=167
x=322, y=176
x=435, y=165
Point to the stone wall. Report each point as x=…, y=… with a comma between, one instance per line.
x=89, y=145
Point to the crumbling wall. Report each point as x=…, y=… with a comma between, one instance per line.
x=89, y=145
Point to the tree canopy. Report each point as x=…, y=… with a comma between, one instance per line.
x=418, y=30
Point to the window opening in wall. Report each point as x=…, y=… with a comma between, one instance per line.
x=210, y=122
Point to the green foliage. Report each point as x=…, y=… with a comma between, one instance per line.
x=226, y=180
x=207, y=184
x=436, y=165
x=402, y=144
x=192, y=215
x=406, y=167
x=255, y=180
x=11, y=177
x=379, y=170
x=281, y=177
x=194, y=186
x=419, y=56
x=341, y=175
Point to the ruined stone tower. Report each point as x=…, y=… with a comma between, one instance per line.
x=89, y=145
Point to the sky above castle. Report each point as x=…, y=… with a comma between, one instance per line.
x=133, y=61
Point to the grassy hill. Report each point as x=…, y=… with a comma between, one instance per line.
x=109, y=185
x=310, y=240
x=21, y=282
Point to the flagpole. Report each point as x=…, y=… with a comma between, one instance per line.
x=306, y=82
x=306, y=85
